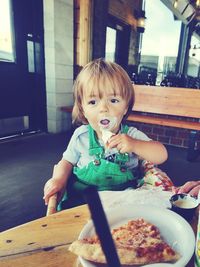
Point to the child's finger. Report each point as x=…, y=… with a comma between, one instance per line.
x=113, y=142
x=46, y=200
x=194, y=192
x=50, y=186
x=48, y=193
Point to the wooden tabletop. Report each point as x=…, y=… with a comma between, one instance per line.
x=44, y=242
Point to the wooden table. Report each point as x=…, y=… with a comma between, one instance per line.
x=44, y=242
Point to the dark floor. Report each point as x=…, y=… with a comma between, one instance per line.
x=27, y=162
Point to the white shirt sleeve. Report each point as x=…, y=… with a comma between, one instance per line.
x=78, y=146
x=135, y=133
x=72, y=153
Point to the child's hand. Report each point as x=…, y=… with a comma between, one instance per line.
x=123, y=142
x=51, y=187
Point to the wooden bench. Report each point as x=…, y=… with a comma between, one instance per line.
x=180, y=104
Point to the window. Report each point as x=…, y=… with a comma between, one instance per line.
x=110, y=44
x=7, y=53
x=194, y=57
x=117, y=41
x=160, y=41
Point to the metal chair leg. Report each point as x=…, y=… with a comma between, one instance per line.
x=193, y=152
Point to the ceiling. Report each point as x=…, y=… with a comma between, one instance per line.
x=188, y=11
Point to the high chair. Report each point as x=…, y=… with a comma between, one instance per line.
x=52, y=205
x=152, y=176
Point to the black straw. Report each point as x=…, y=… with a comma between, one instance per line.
x=101, y=225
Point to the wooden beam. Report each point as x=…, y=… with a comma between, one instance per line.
x=164, y=122
x=84, y=46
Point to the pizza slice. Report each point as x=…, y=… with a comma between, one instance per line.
x=137, y=242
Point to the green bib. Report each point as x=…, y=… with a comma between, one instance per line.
x=103, y=174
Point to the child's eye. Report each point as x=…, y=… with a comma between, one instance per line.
x=92, y=102
x=114, y=100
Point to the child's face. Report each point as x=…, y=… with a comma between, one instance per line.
x=104, y=111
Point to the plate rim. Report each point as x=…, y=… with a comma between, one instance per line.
x=109, y=214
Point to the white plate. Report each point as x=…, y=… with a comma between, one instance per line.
x=176, y=231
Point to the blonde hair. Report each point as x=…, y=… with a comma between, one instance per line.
x=98, y=75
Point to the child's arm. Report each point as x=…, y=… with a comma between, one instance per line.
x=57, y=183
x=152, y=151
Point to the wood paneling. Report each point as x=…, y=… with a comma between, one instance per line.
x=167, y=100
x=182, y=103
x=83, y=13
x=124, y=10
x=82, y=35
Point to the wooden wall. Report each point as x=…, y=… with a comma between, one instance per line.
x=83, y=31
x=124, y=10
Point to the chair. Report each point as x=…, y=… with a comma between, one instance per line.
x=152, y=176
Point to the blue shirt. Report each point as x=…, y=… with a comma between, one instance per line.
x=77, y=151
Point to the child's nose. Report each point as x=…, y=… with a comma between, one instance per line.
x=103, y=106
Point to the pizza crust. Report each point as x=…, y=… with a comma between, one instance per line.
x=138, y=242
x=91, y=252
x=127, y=256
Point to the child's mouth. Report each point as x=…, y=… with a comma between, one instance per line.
x=104, y=122
x=108, y=123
